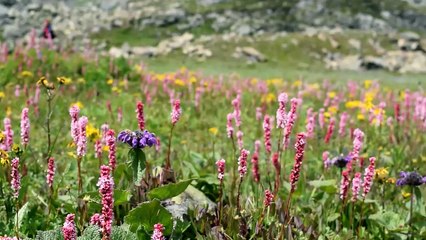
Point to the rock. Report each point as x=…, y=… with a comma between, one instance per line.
x=409, y=41
x=34, y=7
x=355, y=43
x=145, y=51
x=117, y=52
x=351, y=62
x=13, y=31
x=372, y=63
x=334, y=44
x=210, y=2
x=196, y=50
x=250, y=53
x=243, y=30
x=410, y=36
x=117, y=23
x=8, y=3
x=4, y=11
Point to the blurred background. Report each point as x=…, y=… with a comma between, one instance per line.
x=271, y=38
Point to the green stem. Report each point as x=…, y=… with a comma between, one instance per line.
x=410, y=223
x=168, y=164
x=17, y=223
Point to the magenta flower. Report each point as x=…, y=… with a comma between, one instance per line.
x=16, y=177
x=50, y=171
x=330, y=130
x=281, y=114
x=267, y=133
x=276, y=163
x=17, y=91
x=98, y=149
x=321, y=118
x=82, y=140
x=291, y=119
x=176, y=112
x=342, y=124
x=269, y=197
x=368, y=177
x=357, y=143
x=104, y=130
x=242, y=162
x=8, y=132
x=106, y=190
x=229, y=128
x=298, y=158
x=69, y=231
x=75, y=131
x=258, y=114
x=326, y=159
x=255, y=161
x=240, y=139
x=119, y=114
x=220, y=169
x=310, y=126
x=110, y=142
x=237, y=110
x=96, y=219
x=356, y=186
x=25, y=127
x=140, y=115
x=158, y=232
x=344, y=185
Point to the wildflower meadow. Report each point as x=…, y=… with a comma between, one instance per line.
x=102, y=148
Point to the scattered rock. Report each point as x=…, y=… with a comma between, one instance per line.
x=409, y=41
x=251, y=54
x=355, y=43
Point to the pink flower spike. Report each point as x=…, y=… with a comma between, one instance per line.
x=240, y=139
x=50, y=172
x=158, y=232
x=110, y=142
x=269, y=197
x=229, y=128
x=96, y=219
x=344, y=185
x=16, y=177
x=8, y=132
x=356, y=186
x=106, y=190
x=281, y=114
x=368, y=177
x=74, y=111
x=25, y=127
x=298, y=158
x=69, y=230
x=291, y=119
x=267, y=133
x=140, y=115
x=220, y=169
x=82, y=140
x=242, y=162
x=176, y=112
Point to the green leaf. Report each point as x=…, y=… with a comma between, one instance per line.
x=147, y=214
x=388, y=219
x=49, y=235
x=333, y=217
x=121, y=197
x=92, y=232
x=169, y=190
x=137, y=161
x=328, y=186
x=22, y=213
x=120, y=233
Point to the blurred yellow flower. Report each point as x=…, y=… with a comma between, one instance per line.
x=78, y=103
x=92, y=133
x=327, y=114
x=8, y=111
x=353, y=104
x=26, y=74
x=179, y=82
x=64, y=80
x=360, y=117
x=2, y=137
x=297, y=83
x=72, y=154
x=274, y=81
x=406, y=194
x=45, y=83
x=71, y=145
x=2, y=95
x=116, y=90
x=381, y=174
x=213, y=130
x=110, y=81
x=391, y=180
x=122, y=83
x=268, y=98
x=331, y=94
x=332, y=110
x=192, y=79
x=253, y=81
x=81, y=81
x=105, y=148
x=367, y=84
x=4, y=157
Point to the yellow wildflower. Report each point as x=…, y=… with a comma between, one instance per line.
x=8, y=111
x=405, y=194
x=332, y=110
x=327, y=114
x=213, y=130
x=78, y=103
x=72, y=154
x=4, y=157
x=71, y=145
x=16, y=149
x=253, y=81
x=353, y=104
x=81, y=81
x=26, y=74
x=179, y=82
x=92, y=133
x=268, y=98
x=2, y=95
x=391, y=180
x=110, y=81
x=45, y=83
x=367, y=84
x=116, y=90
x=64, y=80
x=297, y=83
x=105, y=148
x=2, y=137
x=360, y=117
x=381, y=174
x=192, y=79
x=331, y=94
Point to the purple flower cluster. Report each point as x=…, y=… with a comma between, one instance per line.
x=340, y=161
x=410, y=179
x=137, y=139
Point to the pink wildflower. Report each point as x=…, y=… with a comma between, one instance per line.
x=237, y=110
x=267, y=133
x=176, y=112
x=82, y=140
x=356, y=186
x=16, y=177
x=281, y=114
x=220, y=169
x=50, y=172
x=329, y=130
x=98, y=149
x=104, y=130
x=8, y=132
x=326, y=159
x=357, y=143
x=229, y=128
x=258, y=114
x=291, y=119
x=255, y=161
x=268, y=198
x=106, y=190
x=240, y=139
x=158, y=232
x=344, y=185
x=110, y=142
x=342, y=124
x=242, y=162
x=321, y=118
x=68, y=230
x=119, y=115
x=25, y=127
x=74, y=111
x=298, y=158
x=96, y=219
x=368, y=177
x=140, y=115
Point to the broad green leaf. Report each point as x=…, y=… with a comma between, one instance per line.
x=23, y=211
x=328, y=186
x=120, y=197
x=92, y=232
x=120, y=233
x=49, y=235
x=168, y=191
x=147, y=214
x=333, y=217
x=388, y=219
x=137, y=161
